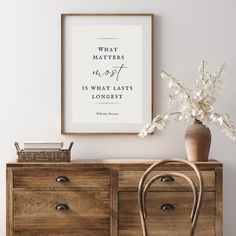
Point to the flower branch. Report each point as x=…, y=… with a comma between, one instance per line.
x=194, y=104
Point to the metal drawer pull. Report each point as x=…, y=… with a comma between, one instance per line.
x=62, y=207
x=167, y=179
x=62, y=179
x=167, y=207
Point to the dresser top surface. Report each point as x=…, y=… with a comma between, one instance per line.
x=106, y=162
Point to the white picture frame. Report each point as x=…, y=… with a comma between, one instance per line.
x=106, y=72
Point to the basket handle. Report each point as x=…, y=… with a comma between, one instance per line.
x=17, y=146
x=71, y=144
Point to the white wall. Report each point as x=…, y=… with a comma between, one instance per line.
x=186, y=31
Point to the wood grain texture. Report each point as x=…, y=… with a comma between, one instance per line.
x=102, y=198
x=9, y=202
x=131, y=179
x=47, y=178
x=219, y=202
x=63, y=232
x=114, y=202
x=179, y=232
x=36, y=209
x=165, y=222
x=127, y=164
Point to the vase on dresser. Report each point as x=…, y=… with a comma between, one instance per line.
x=197, y=141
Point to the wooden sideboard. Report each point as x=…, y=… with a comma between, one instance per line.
x=99, y=198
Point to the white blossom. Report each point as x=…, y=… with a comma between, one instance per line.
x=187, y=104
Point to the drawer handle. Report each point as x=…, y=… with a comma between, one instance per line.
x=167, y=207
x=62, y=207
x=167, y=178
x=62, y=179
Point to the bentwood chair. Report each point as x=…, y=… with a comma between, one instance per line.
x=144, y=185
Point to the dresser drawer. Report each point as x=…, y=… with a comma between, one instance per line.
x=36, y=210
x=102, y=199
x=42, y=178
x=132, y=178
x=63, y=232
x=166, y=222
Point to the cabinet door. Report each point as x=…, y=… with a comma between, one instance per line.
x=174, y=222
x=63, y=213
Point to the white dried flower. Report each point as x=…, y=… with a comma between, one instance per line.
x=187, y=104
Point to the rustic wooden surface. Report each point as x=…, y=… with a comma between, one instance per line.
x=102, y=196
x=166, y=222
x=46, y=178
x=219, y=202
x=9, y=202
x=63, y=232
x=36, y=204
x=131, y=179
x=114, y=202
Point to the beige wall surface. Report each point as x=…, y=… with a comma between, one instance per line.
x=185, y=32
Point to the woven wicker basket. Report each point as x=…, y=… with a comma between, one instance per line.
x=62, y=155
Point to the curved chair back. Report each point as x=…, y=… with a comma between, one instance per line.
x=145, y=185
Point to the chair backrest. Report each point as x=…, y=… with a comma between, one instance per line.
x=145, y=185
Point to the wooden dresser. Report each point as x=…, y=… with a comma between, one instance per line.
x=99, y=198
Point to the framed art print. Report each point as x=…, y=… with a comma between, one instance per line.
x=106, y=72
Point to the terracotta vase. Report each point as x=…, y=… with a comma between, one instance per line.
x=197, y=141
